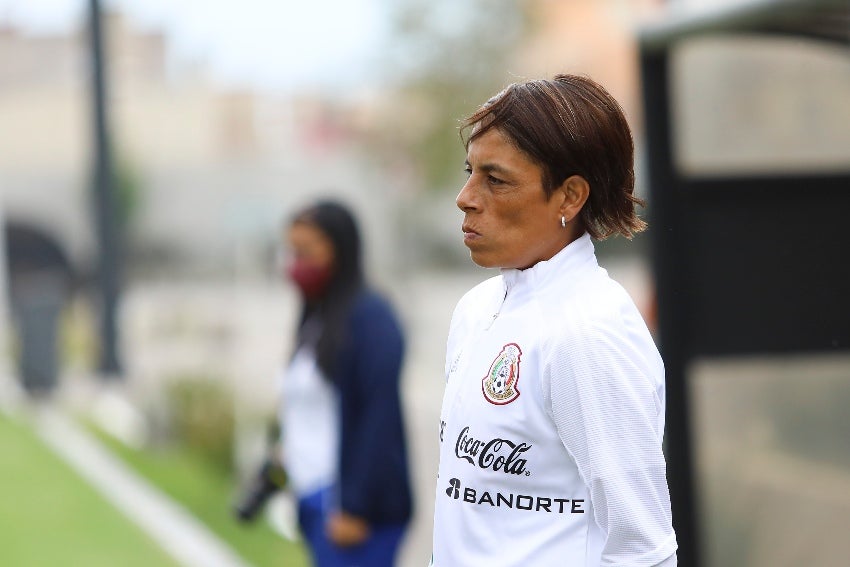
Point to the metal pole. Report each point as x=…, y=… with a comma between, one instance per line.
x=106, y=220
x=5, y=325
x=666, y=241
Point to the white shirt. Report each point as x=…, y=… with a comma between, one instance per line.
x=309, y=425
x=552, y=424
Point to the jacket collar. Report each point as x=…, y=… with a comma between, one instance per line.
x=573, y=259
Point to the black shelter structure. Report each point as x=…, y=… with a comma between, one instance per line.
x=747, y=121
x=41, y=278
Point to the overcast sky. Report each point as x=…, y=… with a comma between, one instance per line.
x=262, y=43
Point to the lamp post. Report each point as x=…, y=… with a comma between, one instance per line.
x=108, y=235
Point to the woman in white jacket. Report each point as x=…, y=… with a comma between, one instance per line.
x=553, y=414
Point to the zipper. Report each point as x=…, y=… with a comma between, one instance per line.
x=498, y=311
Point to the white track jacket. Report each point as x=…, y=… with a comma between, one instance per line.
x=551, y=426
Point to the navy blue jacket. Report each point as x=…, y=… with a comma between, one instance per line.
x=373, y=468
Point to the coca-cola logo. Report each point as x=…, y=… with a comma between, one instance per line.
x=500, y=455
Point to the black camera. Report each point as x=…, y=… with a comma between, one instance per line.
x=268, y=480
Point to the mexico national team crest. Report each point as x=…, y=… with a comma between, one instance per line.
x=500, y=383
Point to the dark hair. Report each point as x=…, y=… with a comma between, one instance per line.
x=569, y=126
x=336, y=222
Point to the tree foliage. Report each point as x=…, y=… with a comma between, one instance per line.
x=445, y=58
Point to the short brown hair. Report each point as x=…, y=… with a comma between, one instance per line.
x=571, y=125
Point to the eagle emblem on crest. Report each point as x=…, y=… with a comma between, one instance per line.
x=500, y=383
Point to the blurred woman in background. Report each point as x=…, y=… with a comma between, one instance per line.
x=343, y=438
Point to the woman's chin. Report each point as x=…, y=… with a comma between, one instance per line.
x=483, y=260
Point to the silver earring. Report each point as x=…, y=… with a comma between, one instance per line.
x=563, y=222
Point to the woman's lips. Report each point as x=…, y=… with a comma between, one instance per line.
x=469, y=234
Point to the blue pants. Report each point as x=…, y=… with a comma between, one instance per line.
x=377, y=551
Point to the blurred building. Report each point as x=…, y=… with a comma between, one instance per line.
x=205, y=177
x=209, y=172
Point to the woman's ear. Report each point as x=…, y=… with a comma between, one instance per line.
x=575, y=190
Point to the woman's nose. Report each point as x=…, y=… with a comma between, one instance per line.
x=466, y=199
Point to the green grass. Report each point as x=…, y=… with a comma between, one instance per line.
x=50, y=516
x=208, y=492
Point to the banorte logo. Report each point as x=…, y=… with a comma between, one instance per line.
x=500, y=455
x=526, y=502
x=453, y=491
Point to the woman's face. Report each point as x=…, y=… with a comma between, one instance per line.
x=310, y=246
x=508, y=220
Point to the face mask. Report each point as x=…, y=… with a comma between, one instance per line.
x=311, y=280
